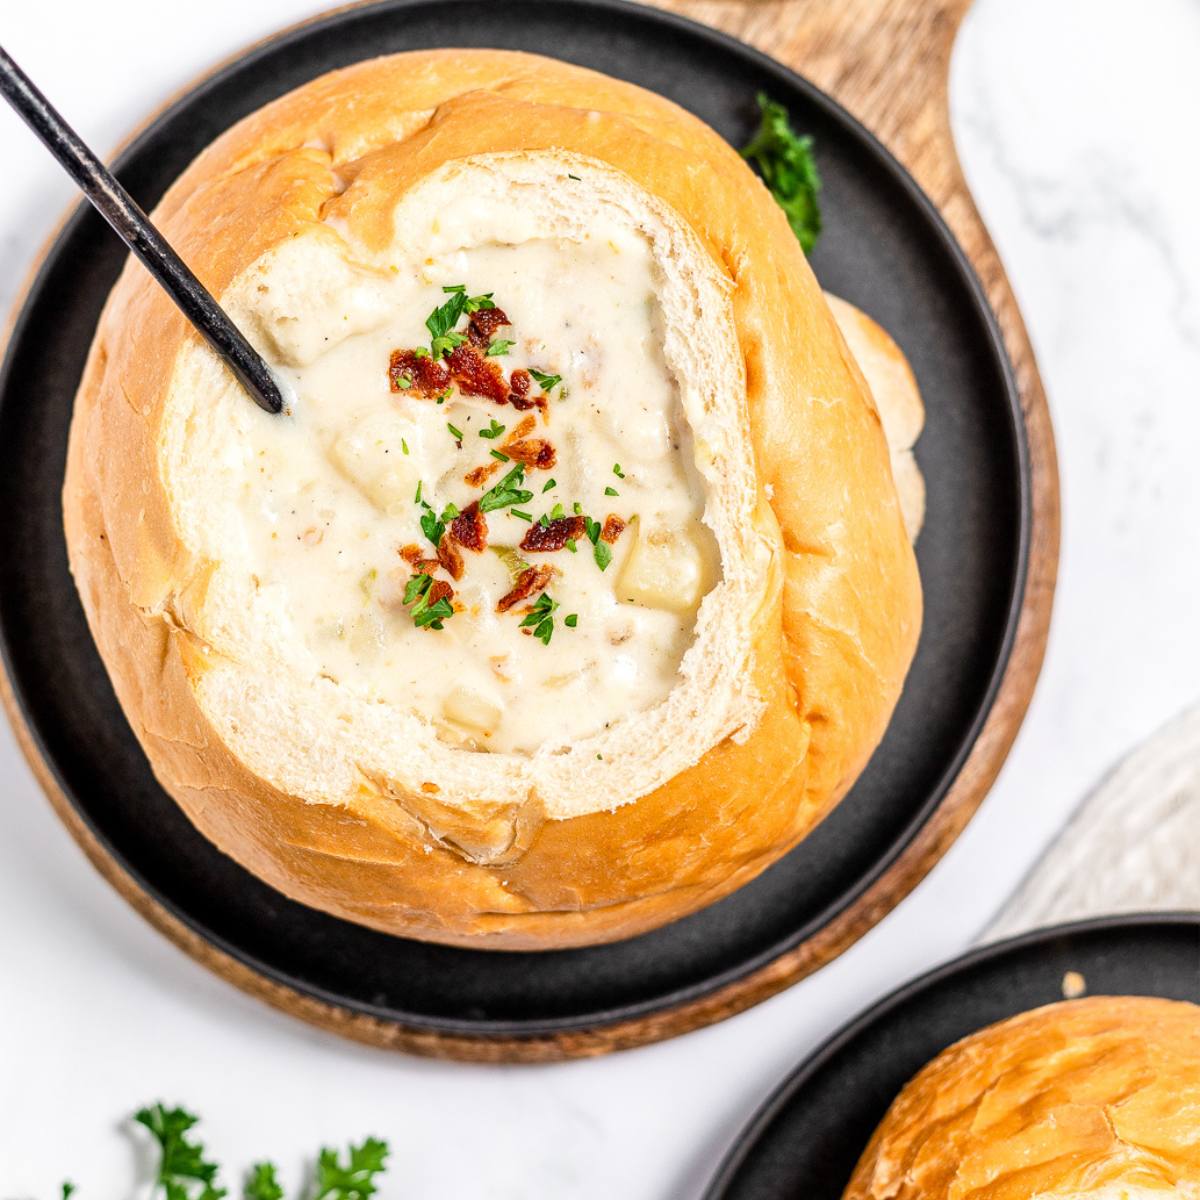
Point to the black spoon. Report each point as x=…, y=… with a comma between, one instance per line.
x=120, y=210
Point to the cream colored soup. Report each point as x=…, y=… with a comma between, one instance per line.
x=334, y=499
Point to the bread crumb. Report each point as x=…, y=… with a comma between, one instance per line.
x=1074, y=985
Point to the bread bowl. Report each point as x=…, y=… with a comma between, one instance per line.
x=384, y=770
x=1096, y=1098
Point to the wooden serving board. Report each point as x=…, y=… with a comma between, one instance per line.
x=887, y=62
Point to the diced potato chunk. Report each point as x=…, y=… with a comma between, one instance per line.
x=371, y=456
x=471, y=711
x=664, y=569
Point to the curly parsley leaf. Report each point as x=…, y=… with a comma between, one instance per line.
x=262, y=1183
x=183, y=1171
x=356, y=1178
x=785, y=161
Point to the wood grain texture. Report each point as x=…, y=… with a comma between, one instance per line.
x=887, y=62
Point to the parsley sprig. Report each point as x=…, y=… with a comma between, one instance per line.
x=354, y=1179
x=185, y=1171
x=785, y=161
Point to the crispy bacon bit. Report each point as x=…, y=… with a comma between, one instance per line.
x=535, y=453
x=470, y=528
x=482, y=325
x=532, y=579
x=427, y=377
x=613, y=528
x=439, y=589
x=450, y=557
x=554, y=535
x=525, y=426
x=478, y=476
x=476, y=375
x=519, y=396
x=415, y=557
x=524, y=403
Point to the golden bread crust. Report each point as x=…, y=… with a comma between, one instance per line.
x=1061, y=1101
x=837, y=626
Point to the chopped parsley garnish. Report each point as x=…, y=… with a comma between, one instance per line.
x=550, y=483
x=540, y=619
x=785, y=161
x=577, y=508
x=507, y=491
x=405, y=381
x=499, y=346
x=494, y=430
x=424, y=614
x=417, y=497
x=617, y=471
x=433, y=526
x=601, y=551
x=557, y=512
x=404, y=445
x=442, y=320
x=420, y=352
x=501, y=457
x=545, y=382
x=522, y=514
x=455, y=432
x=571, y=545
x=443, y=345
x=571, y=620
x=611, y=491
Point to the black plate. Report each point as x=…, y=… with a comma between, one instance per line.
x=807, y=1138
x=884, y=248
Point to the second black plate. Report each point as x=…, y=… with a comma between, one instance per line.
x=884, y=248
x=806, y=1140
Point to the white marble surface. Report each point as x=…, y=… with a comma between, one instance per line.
x=1075, y=119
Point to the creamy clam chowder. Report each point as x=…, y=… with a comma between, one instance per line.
x=484, y=506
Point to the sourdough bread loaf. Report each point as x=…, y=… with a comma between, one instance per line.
x=1095, y=1099
x=309, y=220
